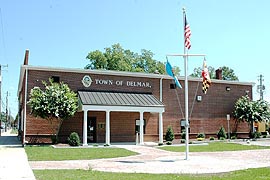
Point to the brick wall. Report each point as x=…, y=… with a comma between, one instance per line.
x=206, y=116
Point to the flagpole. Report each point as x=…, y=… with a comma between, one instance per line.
x=186, y=90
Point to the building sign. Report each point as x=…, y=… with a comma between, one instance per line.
x=87, y=81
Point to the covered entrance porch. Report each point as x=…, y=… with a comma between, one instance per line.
x=120, y=102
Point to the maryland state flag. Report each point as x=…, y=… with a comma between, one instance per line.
x=206, y=77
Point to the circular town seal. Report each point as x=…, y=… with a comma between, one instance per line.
x=86, y=81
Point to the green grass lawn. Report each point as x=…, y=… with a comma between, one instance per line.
x=48, y=153
x=212, y=147
x=260, y=173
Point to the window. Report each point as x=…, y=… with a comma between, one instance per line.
x=55, y=79
x=172, y=86
x=137, y=126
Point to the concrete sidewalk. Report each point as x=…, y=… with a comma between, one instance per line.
x=13, y=159
x=156, y=161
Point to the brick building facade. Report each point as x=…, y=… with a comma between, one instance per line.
x=102, y=123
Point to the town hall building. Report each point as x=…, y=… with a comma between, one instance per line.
x=116, y=106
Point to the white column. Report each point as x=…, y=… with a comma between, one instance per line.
x=107, y=128
x=160, y=128
x=85, y=128
x=141, y=128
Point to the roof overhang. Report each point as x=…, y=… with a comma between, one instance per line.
x=113, y=101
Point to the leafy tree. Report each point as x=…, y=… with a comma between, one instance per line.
x=117, y=58
x=227, y=73
x=3, y=117
x=197, y=72
x=251, y=111
x=6, y=119
x=56, y=102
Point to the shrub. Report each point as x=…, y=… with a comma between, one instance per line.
x=74, y=139
x=211, y=138
x=221, y=133
x=106, y=145
x=183, y=135
x=255, y=135
x=183, y=141
x=233, y=137
x=222, y=138
x=200, y=139
x=169, y=143
x=264, y=136
x=201, y=135
x=54, y=139
x=169, y=134
x=160, y=144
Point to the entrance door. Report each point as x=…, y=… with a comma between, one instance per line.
x=91, y=130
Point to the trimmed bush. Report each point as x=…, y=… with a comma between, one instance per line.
x=74, y=139
x=169, y=134
x=54, y=139
x=221, y=133
x=183, y=141
x=222, y=138
x=169, y=143
x=211, y=138
x=201, y=135
x=183, y=135
x=255, y=135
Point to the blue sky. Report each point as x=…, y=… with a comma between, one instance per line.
x=60, y=33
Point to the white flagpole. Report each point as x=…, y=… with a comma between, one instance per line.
x=186, y=91
x=185, y=56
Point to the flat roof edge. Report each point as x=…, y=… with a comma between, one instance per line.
x=131, y=74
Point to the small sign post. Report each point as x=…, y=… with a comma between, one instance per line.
x=228, y=120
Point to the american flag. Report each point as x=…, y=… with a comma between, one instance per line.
x=206, y=78
x=187, y=34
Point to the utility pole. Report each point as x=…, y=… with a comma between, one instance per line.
x=6, y=112
x=261, y=87
x=0, y=101
x=1, y=95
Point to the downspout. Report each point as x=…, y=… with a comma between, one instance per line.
x=25, y=102
x=160, y=89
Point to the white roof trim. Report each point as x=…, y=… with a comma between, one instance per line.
x=123, y=108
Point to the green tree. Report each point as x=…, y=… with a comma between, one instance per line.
x=221, y=133
x=227, y=73
x=169, y=134
x=117, y=58
x=197, y=72
x=251, y=111
x=56, y=102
